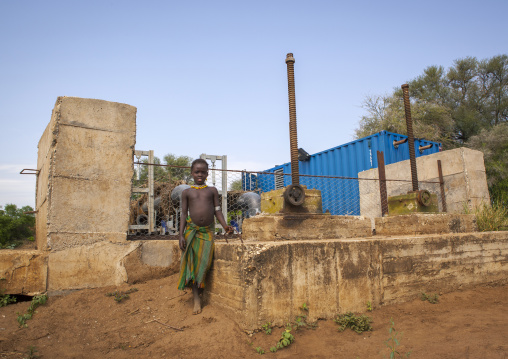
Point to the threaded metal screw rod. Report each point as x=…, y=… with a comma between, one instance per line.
x=293, y=139
x=410, y=137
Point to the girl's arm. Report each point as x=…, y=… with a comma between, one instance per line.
x=183, y=219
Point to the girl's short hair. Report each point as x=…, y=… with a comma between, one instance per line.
x=199, y=161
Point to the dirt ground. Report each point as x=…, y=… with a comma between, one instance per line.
x=89, y=324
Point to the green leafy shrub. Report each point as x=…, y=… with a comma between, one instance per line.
x=433, y=299
x=36, y=301
x=15, y=225
x=5, y=299
x=359, y=324
x=490, y=218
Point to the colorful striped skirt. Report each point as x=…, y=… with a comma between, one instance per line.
x=198, y=254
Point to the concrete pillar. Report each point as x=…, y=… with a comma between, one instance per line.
x=85, y=170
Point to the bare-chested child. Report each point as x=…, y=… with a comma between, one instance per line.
x=196, y=230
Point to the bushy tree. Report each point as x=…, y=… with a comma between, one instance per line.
x=466, y=105
x=493, y=143
x=446, y=106
x=15, y=225
x=173, y=169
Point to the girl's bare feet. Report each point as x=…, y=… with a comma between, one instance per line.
x=197, y=300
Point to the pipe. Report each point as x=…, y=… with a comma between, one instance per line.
x=410, y=137
x=293, y=138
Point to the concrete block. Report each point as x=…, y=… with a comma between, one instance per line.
x=152, y=259
x=87, y=206
x=456, y=188
x=408, y=203
x=278, y=227
x=463, y=172
x=473, y=160
x=478, y=187
x=85, y=164
x=89, y=266
x=96, y=114
x=416, y=224
x=273, y=201
x=25, y=272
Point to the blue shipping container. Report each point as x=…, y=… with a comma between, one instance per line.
x=345, y=161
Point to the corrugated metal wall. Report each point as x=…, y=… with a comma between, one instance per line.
x=347, y=161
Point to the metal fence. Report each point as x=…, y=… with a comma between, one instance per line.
x=340, y=195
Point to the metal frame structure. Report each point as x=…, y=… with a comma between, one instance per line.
x=224, y=179
x=150, y=226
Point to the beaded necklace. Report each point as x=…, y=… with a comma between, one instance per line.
x=199, y=187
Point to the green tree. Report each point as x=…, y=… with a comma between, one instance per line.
x=236, y=185
x=446, y=106
x=466, y=105
x=177, y=173
x=493, y=143
x=173, y=169
x=15, y=225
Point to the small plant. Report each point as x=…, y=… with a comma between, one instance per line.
x=119, y=296
x=31, y=352
x=285, y=340
x=5, y=299
x=267, y=327
x=260, y=351
x=369, y=306
x=36, y=301
x=301, y=320
x=393, y=341
x=430, y=298
x=359, y=324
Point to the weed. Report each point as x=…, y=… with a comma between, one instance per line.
x=286, y=339
x=5, y=299
x=430, y=298
x=359, y=324
x=119, y=296
x=369, y=306
x=393, y=341
x=31, y=352
x=36, y=301
x=267, y=327
x=301, y=320
x=260, y=351
x=489, y=217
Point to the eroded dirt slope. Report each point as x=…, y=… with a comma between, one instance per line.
x=89, y=324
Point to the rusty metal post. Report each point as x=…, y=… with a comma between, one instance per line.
x=382, y=182
x=410, y=137
x=441, y=185
x=293, y=139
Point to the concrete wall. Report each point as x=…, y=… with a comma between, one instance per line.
x=25, y=272
x=464, y=175
x=85, y=170
x=264, y=282
x=83, y=189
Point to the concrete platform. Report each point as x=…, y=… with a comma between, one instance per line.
x=277, y=227
x=256, y=282
x=264, y=282
x=415, y=224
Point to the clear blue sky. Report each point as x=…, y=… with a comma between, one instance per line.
x=210, y=77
